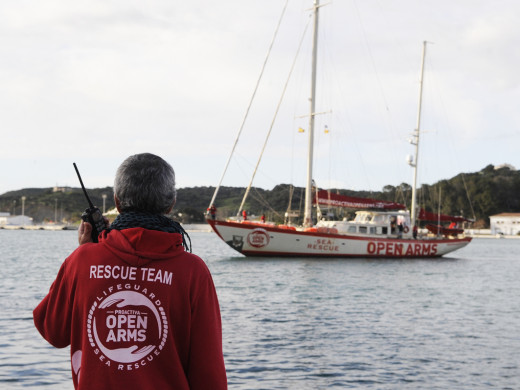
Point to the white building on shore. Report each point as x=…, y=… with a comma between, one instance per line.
x=505, y=223
x=6, y=219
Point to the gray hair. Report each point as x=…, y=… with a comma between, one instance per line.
x=145, y=182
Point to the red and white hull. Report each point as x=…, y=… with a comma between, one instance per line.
x=266, y=240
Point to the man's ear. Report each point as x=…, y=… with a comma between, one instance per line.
x=118, y=203
x=171, y=208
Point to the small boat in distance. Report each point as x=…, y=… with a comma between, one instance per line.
x=380, y=229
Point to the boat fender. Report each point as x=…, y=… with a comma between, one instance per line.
x=406, y=229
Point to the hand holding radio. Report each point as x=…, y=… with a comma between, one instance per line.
x=92, y=215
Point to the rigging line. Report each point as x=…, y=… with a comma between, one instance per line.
x=291, y=191
x=399, y=193
x=250, y=103
x=389, y=116
x=300, y=207
x=450, y=131
x=274, y=118
x=350, y=128
x=348, y=135
x=265, y=202
x=467, y=195
x=330, y=160
x=371, y=57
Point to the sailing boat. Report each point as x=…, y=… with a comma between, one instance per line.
x=381, y=229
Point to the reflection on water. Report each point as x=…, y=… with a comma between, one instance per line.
x=306, y=323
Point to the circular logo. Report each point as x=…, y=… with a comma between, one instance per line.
x=127, y=326
x=258, y=238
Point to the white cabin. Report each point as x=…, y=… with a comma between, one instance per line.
x=374, y=223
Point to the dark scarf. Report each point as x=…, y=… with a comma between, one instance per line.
x=132, y=219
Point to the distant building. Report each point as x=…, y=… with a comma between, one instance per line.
x=508, y=166
x=3, y=218
x=61, y=189
x=505, y=223
x=15, y=220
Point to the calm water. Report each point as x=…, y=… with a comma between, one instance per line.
x=450, y=323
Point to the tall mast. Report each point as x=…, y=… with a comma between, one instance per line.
x=307, y=219
x=415, y=141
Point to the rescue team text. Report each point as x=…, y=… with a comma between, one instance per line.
x=130, y=273
x=400, y=249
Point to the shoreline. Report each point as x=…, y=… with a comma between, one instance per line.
x=203, y=227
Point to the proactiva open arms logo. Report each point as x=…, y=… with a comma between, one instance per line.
x=128, y=328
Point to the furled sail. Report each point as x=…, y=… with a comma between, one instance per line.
x=327, y=198
x=429, y=216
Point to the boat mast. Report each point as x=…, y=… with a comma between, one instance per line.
x=415, y=141
x=307, y=219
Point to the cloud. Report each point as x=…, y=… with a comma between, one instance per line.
x=96, y=81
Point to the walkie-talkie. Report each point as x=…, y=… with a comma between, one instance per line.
x=91, y=215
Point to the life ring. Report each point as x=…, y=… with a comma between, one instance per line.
x=406, y=229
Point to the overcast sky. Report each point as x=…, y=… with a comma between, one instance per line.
x=94, y=81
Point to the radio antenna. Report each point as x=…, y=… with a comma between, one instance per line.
x=82, y=186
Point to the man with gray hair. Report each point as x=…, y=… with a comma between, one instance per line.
x=138, y=310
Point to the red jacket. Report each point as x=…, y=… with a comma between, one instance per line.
x=138, y=312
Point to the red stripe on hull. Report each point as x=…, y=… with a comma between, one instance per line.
x=319, y=244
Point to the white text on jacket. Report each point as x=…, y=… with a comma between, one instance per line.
x=130, y=273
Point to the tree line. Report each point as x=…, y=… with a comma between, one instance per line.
x=475, y=196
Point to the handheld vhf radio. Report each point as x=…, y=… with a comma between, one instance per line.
x=91, y=215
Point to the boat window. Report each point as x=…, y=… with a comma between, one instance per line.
x=385, y=230
x=372, y=230
x=363, y=229
x=363, y=217
x=351, y=229
x=379, y=218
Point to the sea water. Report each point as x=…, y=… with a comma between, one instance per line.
x=448, y=323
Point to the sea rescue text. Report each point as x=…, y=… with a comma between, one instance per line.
x=324, y=244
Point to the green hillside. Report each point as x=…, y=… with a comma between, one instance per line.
x=43, y=204
x=473, y=195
